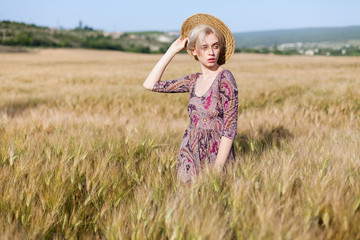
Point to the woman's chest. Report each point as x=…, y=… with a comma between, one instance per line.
x=209, y=104
x=201, y=87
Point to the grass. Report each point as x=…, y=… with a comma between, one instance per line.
x=86, y=152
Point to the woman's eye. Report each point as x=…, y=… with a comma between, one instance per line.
x=216, y=46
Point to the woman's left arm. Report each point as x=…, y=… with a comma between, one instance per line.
x=223, y=153
x=230, y=103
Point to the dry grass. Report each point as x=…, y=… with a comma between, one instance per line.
x=86, y=152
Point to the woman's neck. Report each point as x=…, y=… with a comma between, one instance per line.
x=210, y=71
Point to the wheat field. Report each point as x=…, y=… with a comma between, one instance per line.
x=87, y=153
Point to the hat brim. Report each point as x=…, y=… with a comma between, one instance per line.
x=207, y=19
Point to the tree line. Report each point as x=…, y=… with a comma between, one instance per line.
x=30, y=35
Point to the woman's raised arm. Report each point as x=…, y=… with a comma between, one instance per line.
x=159, y=68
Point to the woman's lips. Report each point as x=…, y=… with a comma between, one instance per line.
x=211, y=60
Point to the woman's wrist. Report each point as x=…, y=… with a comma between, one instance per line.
x=171, y=52
x=218, y=166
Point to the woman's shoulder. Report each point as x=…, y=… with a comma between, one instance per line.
x=189, y=78
x=192, y=76
x=226, y=74
x=227, y=82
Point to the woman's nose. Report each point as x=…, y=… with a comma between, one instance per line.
x=211, y=51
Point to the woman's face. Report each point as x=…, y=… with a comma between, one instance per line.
x=209, y=51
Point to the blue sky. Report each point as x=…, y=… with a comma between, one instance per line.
x=139, y=15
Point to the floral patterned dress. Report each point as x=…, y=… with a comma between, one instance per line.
x=212, y=116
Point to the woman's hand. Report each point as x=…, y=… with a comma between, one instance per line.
x=223, y=153
x=178, y=45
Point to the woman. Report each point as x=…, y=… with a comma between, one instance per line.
x=213, y=103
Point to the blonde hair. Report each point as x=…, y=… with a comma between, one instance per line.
x=196, y=38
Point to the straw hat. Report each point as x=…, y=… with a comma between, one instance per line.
x=210, y=20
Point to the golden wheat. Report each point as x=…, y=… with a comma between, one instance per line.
x=86, y=152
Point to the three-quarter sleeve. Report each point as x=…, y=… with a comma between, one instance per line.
x=173, y=86
x=230, y=102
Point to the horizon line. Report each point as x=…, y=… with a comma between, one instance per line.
x=139, y=31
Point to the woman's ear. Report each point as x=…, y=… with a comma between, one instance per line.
x=194, y=52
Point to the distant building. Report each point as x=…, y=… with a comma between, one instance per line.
x=114, y=34
x=154, y=48
x=309, y=52
x=174, y=34
x=164, y=39
x=299, y=44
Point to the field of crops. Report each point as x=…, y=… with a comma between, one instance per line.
x=87, y=153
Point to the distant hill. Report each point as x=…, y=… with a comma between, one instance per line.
x=322, y=41
x=29, y=35
x=304, y=35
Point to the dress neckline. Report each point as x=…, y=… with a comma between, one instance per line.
x=198, y=74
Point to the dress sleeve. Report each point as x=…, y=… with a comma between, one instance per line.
x=230, y=103
x=173, y=86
